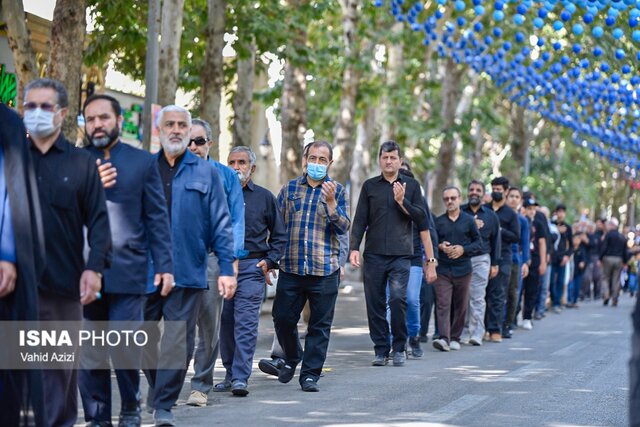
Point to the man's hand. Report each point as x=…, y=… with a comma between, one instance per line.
x=479, y=223
x=562, y=229
x=262, y=265
x=90, y=285
x=227, y=286
x=341, y=274
x=398, y=192
x=354, y=259
x=456, y=252
x=108, y=173
x=542, y=268
x=430, y=272
x=445, y=247
x=329, y=192
x=565, y=260
x=8, y=277
x=167, y=280
x=494, y=271
x=525, y=270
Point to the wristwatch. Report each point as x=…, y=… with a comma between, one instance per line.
x=432, y=261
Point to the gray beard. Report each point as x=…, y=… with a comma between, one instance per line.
x=173, y=148
x=101, y=142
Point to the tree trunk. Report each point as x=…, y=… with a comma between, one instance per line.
x=65, y=57
x=242, y=101
x=211, y=75
x=520, y=141
x=344, y=129
x=151, y=71
x=294, y=120
x=169, y=61
x=24, y=57
x=445, y=171
x=394, y=70
x=361, y=167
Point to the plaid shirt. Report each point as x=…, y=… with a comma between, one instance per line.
x=312, y=247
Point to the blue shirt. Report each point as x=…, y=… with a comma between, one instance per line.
x=7, y=238
x=235, y=202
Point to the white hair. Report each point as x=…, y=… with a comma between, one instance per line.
x=172, y=109
x=614, y=222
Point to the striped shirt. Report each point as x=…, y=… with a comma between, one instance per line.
x=312, y=247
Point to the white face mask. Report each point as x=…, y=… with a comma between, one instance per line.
x=39, y=123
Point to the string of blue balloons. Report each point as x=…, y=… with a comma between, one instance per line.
x=574, y=62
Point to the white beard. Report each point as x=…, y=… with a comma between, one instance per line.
x=173, y=148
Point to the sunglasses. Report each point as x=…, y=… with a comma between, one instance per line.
x=45, y=106
x=446, y=199
x=199, y=141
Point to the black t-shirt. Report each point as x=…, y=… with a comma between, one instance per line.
x=536, y=232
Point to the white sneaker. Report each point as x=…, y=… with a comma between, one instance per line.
x=454, y=345
x=441, y=345
x=526, y=324
x=197, y=398
x=475, y=342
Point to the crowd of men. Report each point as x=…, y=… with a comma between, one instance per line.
x=113, y=233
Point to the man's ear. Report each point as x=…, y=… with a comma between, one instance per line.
x=253, y=169
x=120, y=121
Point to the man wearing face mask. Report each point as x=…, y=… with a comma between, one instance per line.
x=200, y=223
x=71, y=198
x=204, y=358
x=484, y=265
x=265, y=238
x=509, y=233
x=315, y=211
x=140, y=228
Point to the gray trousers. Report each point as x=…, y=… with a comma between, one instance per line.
x=208, y=323
x=474, y=324
x=611, y=271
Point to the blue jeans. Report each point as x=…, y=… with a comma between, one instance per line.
x=544, y=291
x=557, y=283
x=574, y=287
x=413, y=301
x=633, y=282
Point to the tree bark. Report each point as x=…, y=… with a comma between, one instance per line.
x=211, y=75
x=361, y=167
x=394, y=70
x=520, y=141
x=445, y=171
x=344, y=129
x=294, y=121
x=65, y=57
x=24, y=57
x=242, y=101
x=151, y=71
x=169, y=61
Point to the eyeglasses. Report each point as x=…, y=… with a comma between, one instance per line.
x=199, y=141
x=45, y=106
x=452, y=198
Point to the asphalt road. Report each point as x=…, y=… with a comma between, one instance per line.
x=570, y=370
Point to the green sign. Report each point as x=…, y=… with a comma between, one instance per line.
x=8, y=87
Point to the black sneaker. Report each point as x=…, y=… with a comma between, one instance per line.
x=309, y=384
x=271, y=366
x=286, y=373
x=414, y=343
x=129, y=419
x=506, y=333
x=424, y=338
x=379, y=360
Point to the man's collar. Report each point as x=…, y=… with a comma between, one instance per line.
x=398, y=178
x=59, y=144
x=249, y=185
x=302, y=180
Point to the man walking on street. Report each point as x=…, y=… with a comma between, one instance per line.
x=560, y=257
x=613, y=255
x=484, y=265
x=388, y=207
x=315, y=210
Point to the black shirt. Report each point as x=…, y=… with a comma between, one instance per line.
x=614, y=244
x=389, y=229
x=595, y=243
x=461, y=232
x=167, y=173
x=264, y=231
x=71, y=197
x=543, y=221
x=490, y=231
x=509, y=233
x=565, y=244
x=536, y=232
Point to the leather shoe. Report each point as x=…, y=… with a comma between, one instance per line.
x=309, y=384
x=271, y=366
x=222, y=387
x=286, y=373
x=239, y=388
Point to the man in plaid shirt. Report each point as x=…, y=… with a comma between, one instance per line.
x=315, y=212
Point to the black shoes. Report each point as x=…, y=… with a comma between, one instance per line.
x=94, y=423
x=309, y=384
x=379, y=360
x=506, y=333
x=286, y=373
x=239, y=388
x=271, y=366
x=414, y=343
x=129, y=419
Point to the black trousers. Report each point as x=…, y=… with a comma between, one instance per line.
x=181, y=304
x=427, y=301
x=292, y=294
x=95, y=384
x=496, y=296
x=531, y=290
x=380, y=270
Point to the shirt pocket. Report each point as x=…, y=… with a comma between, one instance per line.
x=294, y=203
x=62, y=197
x=199, y=187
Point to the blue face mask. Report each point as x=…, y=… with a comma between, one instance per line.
x=316, y=171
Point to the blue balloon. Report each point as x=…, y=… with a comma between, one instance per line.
x=521, y=9
x=565, y=59
x=498, y=15
x=619, y=53
x=460, y=5
x=498, y=5
x=617, y=33
x=438, y=13
x=565, y=15
x=610, y=20
x=545, y=56
x=558, y=25
x=597, y=32
x=518, y=19
x=587, y=18
x=540, y=42
x=506, y=46
x=519, y=37
x=497, y=31
x=633, y=22
x=479, y=10
x=461, y=21
x=542, y=13
x=597, y=51
x=477, y=2
x=538, y=23
x=577, y=29
x=577, y=48
x=626, y=69
x=477, y=27
x=604, y=67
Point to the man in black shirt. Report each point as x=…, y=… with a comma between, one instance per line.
x=613, y=254
x=71, y=197
x=264, y=240
x=560, y=257
x=389, y=204
x=509, y=233
x=538, y=246
x=459, y=240
x=485, y=263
